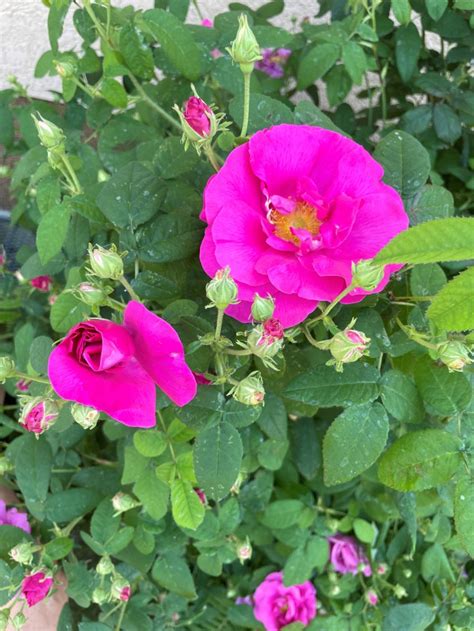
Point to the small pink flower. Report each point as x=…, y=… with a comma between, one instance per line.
x=114, y=368
x=36, y=587
x=196, y=114
x=23, y=385
x=207, y=23
x=12, y=517
x=272, y=331
x=202, y=496
x=277, y=606
x=273, y=61
x=42, y=283
x=347, y=556
x=125, y=593
x=371, y=597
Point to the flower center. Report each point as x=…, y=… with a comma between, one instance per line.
x=303, y=217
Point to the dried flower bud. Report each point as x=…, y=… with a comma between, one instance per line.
x=7, y=368
x=120, y=589
x=367, y=275
x=455, y=355
x=104, y=566
x=221, y=290
x=38, y=414
x=123, y=502
x=23, y=553
x=250, y=391
x=105, y=263
x=51, y=136
x=262, y=308
x=91, y=295
x=245, y=50
x=85, y=416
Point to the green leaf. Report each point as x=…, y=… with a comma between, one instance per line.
x=316, y=63
x=435, y=241
x=417, y=120
x=173, y=160
x=451, y=309
x=272, y=452
x=153, y=286
x=39, y=353
x=217, y=458
x=412, y=617
x=282, y=513
x=114, y=92
x=57, y=14
x=407, y=506
x=427, y=280
x=136, y=54
x=59, y=548
x=64, y=506
x=306, y=113
x=353, y=442
x=364, y=531
x=407, y=50
x=152, y=493
x=400, y=397
x=401, y=10
x=405, y=161
x=67, y=311
x=172, y=573
x=131, y=196
x=33, y=471
x=48, y=194
x=435, y=564
x=170, y=238
x=305, y=447
x=10, y=536
x=104, y=522
x=188, y=510
x=444, y=393
x=436, y=8
x=464, y=512
x=446, y=123
x=52, y=231
x=205, y=409
x=325, y=387
x=420, y=460
x=264, y=112
x=149, y=442
x=273, y=419
x=338, y=85
x=355, y=61
x=176, y=41
x=431, y=202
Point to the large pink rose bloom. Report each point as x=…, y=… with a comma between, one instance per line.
x=276, y=606
x=114, y=368
x=289, y=212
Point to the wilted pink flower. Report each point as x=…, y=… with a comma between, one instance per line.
x=114, y=368
x=125, y=593
x=273, y=61
x=272, y=331
x=23, y=385
x=202, y=496
x=35, y=587
x=371, y=597
x=290, y=211
x=277, y=606
x=42, y=283
x=347, y=556
x=12, y=517
x=196, y=114
x=38, y=415
x=207, y=23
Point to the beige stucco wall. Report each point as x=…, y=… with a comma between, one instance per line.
x=24, y=35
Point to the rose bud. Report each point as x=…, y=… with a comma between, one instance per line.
x=371, y=597
x=262, y=308
x=123, y=502
x=36, y=587
x=100, y=596
x=22, y=553
x=250, y=391
x=91, y=295
x=39, y=414
x=221, y=290
x=104, y=263
x=202, y=496
x=455, y=355
x=50, y=135
x=42, y=283
x=23, y=385
x=245, y=50
x=120, y=589
x=348, y=346
x=104, y=566
x=7, y=368
x=85, y=416
x=367, y=275
x=19, y=620
x=198, y=116
x=382, y=569
x=244, y=551
x=3, y=255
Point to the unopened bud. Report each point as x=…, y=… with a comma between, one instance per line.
x=65, y=69
x=123, y=502
x=202, y=496
x=221, y=290
x=85, y=416
x=51, y=136
x=262, y=308
x=455, y=355
x=346, y=347
x=266, y=339
x=335, y=590
x=100, y=596
x=400, y=591
x=3, y=254
x=7, y=368
x=105, y=263
x=22, y=553
x=197, y=119
x=120, y=589
x=382, y=569
x=104, y=566
x=102, y=176
x=18, y=620
x=245, y=50
x=371, y=597
x=407, y=573
x=91, y=295
x=250, y=391
x=244, y=551
x=367, y=275
x=38, y=414
x=4, y=618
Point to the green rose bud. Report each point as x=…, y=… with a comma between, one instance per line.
x=221, y=290
x=7, y=368
x=38, y=414
x=23, y=553
x=105, y=263
x=250, y=391
x=455, y=355
x=65, y=69
x=91, y=295
x=123, y=502
x=245, y=50
x=85, y=416
x=366, y=275
x=120, y=589
x=262, y=308
x=100, y=596
x=104, y=566
x=50, y=135
x=348, y=346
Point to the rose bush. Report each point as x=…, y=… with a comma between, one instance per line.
x=236, y=342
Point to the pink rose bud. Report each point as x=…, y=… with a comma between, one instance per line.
x=347, y=556
x=198, y=115
x=36, y=587
x=42, y=283
x=277, y=606
x=371, y=597
x=120, y=589
x=23, y=385
x=207, y=23
x=201, y=379
x=272, y=330
x=39, y=414
x=52, y=299
x=382, y=569
x=244, y=551
x=202, y=496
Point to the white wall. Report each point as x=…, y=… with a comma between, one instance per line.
x=24, y=34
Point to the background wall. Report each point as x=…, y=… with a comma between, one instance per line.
x=24, y=34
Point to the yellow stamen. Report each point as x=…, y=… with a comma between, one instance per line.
x=303, y=216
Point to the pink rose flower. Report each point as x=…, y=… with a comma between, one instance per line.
x=196, y=115
x=277, y=606
x=114, y=368
x=290, y=211
x=35, y=587
x=273, y=61
x=42, y=283
x=347, y=556
x=12, y=517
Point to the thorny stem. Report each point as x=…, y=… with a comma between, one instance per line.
x=129, y=288
x=245, y=121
